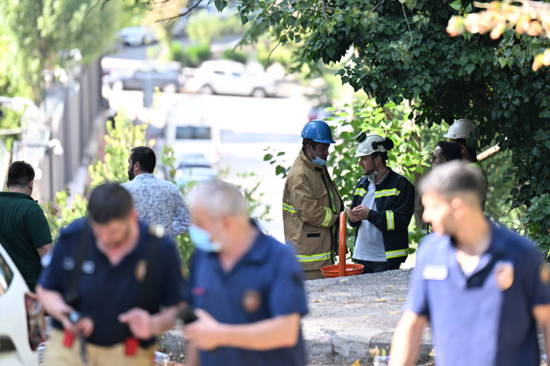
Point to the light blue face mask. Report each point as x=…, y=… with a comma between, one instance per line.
x=202, y=240
x=318, y=161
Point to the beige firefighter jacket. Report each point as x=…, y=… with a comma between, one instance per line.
x=311, y=213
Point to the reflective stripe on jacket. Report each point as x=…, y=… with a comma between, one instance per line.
x=310, y=213
x=394, y=200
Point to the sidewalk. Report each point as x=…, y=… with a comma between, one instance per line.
x=350, y=319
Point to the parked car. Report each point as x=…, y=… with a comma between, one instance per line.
x=22, y=323
x=189, y=129
x=166, y=79
x=137, y=36
x=229, y=77
x=193, y=167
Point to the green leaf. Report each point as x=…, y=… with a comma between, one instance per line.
x=281, y=153
x=280, y=170
x=469, y=8
x=502, y=62
x=456, y=5
x=268, y=157
x=220, y=4
x=470, y=68
x=410, y=4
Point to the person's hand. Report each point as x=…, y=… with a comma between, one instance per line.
x=83, y=325
x=360, y=213
x=139, y=322
x=203, y=333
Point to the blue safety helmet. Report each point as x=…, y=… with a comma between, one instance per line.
x=318, y=131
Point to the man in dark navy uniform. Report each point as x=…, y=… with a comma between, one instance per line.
x=127, y=271
x=246, y=287
x=482, y=287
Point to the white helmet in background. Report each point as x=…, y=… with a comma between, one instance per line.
x=461, y=129
x=369, y=144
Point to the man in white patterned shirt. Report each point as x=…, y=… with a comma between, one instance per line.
x=156, y=200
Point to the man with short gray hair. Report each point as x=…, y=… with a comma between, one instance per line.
x=246, y=287
x=482, y=288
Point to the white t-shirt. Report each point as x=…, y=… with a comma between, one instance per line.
x=369, y=245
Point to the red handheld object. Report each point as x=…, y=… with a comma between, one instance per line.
x=68, y=339
x=131, y=346
x=342, y=254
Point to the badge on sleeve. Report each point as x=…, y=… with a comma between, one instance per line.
x=251, y=301
x=504, y=275
x=435, y=272
x=544, y=274
x=141, y=270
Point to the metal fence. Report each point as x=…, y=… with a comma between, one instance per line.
x=68, y=113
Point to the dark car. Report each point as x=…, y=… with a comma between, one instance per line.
x=166, y=79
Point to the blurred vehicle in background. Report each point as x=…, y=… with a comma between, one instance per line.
x=137, y=36
x=166, y=79
x=229, y=77
x=193, y=167
x=22, y=323
x=188, y=130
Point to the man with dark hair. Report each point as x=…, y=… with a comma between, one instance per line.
x=107, y=281
x=311, y=202
x=381, y=209
x=462, y=133
x=24, y=229
x=482, y=287
x=444, y=152
x=156, y=200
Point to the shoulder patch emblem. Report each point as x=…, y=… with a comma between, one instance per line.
x=251, y=301
x=504, y=275
x=140, y=270
x=544, y=274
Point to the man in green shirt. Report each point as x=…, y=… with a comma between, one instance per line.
x=24, y=229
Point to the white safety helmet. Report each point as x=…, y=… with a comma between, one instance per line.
x=461, y=129
x=369, y=144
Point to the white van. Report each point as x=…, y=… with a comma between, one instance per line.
x=189, y=129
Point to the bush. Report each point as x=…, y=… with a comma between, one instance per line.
x=175, y=52
x=231, y=54
x=195, y=55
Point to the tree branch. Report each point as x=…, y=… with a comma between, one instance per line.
x=407, y=21
x=181, y=14
x=492, y=151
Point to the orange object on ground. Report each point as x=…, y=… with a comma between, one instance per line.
x=342, y=269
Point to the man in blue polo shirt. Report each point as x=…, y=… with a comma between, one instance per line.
x=482, y=287
x=127, y=271
x=246, y=287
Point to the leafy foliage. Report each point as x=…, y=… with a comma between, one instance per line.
x=401, y=51
x=537, y=221
x=34, y=32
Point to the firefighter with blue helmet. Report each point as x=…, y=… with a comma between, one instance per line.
x=311, y=202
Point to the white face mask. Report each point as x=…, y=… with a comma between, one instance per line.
x=372, y=176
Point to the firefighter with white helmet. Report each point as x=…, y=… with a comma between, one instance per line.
x=460, y=132
x=382, y=208
x=311, y=202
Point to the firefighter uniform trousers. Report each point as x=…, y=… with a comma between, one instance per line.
x=57, y=354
